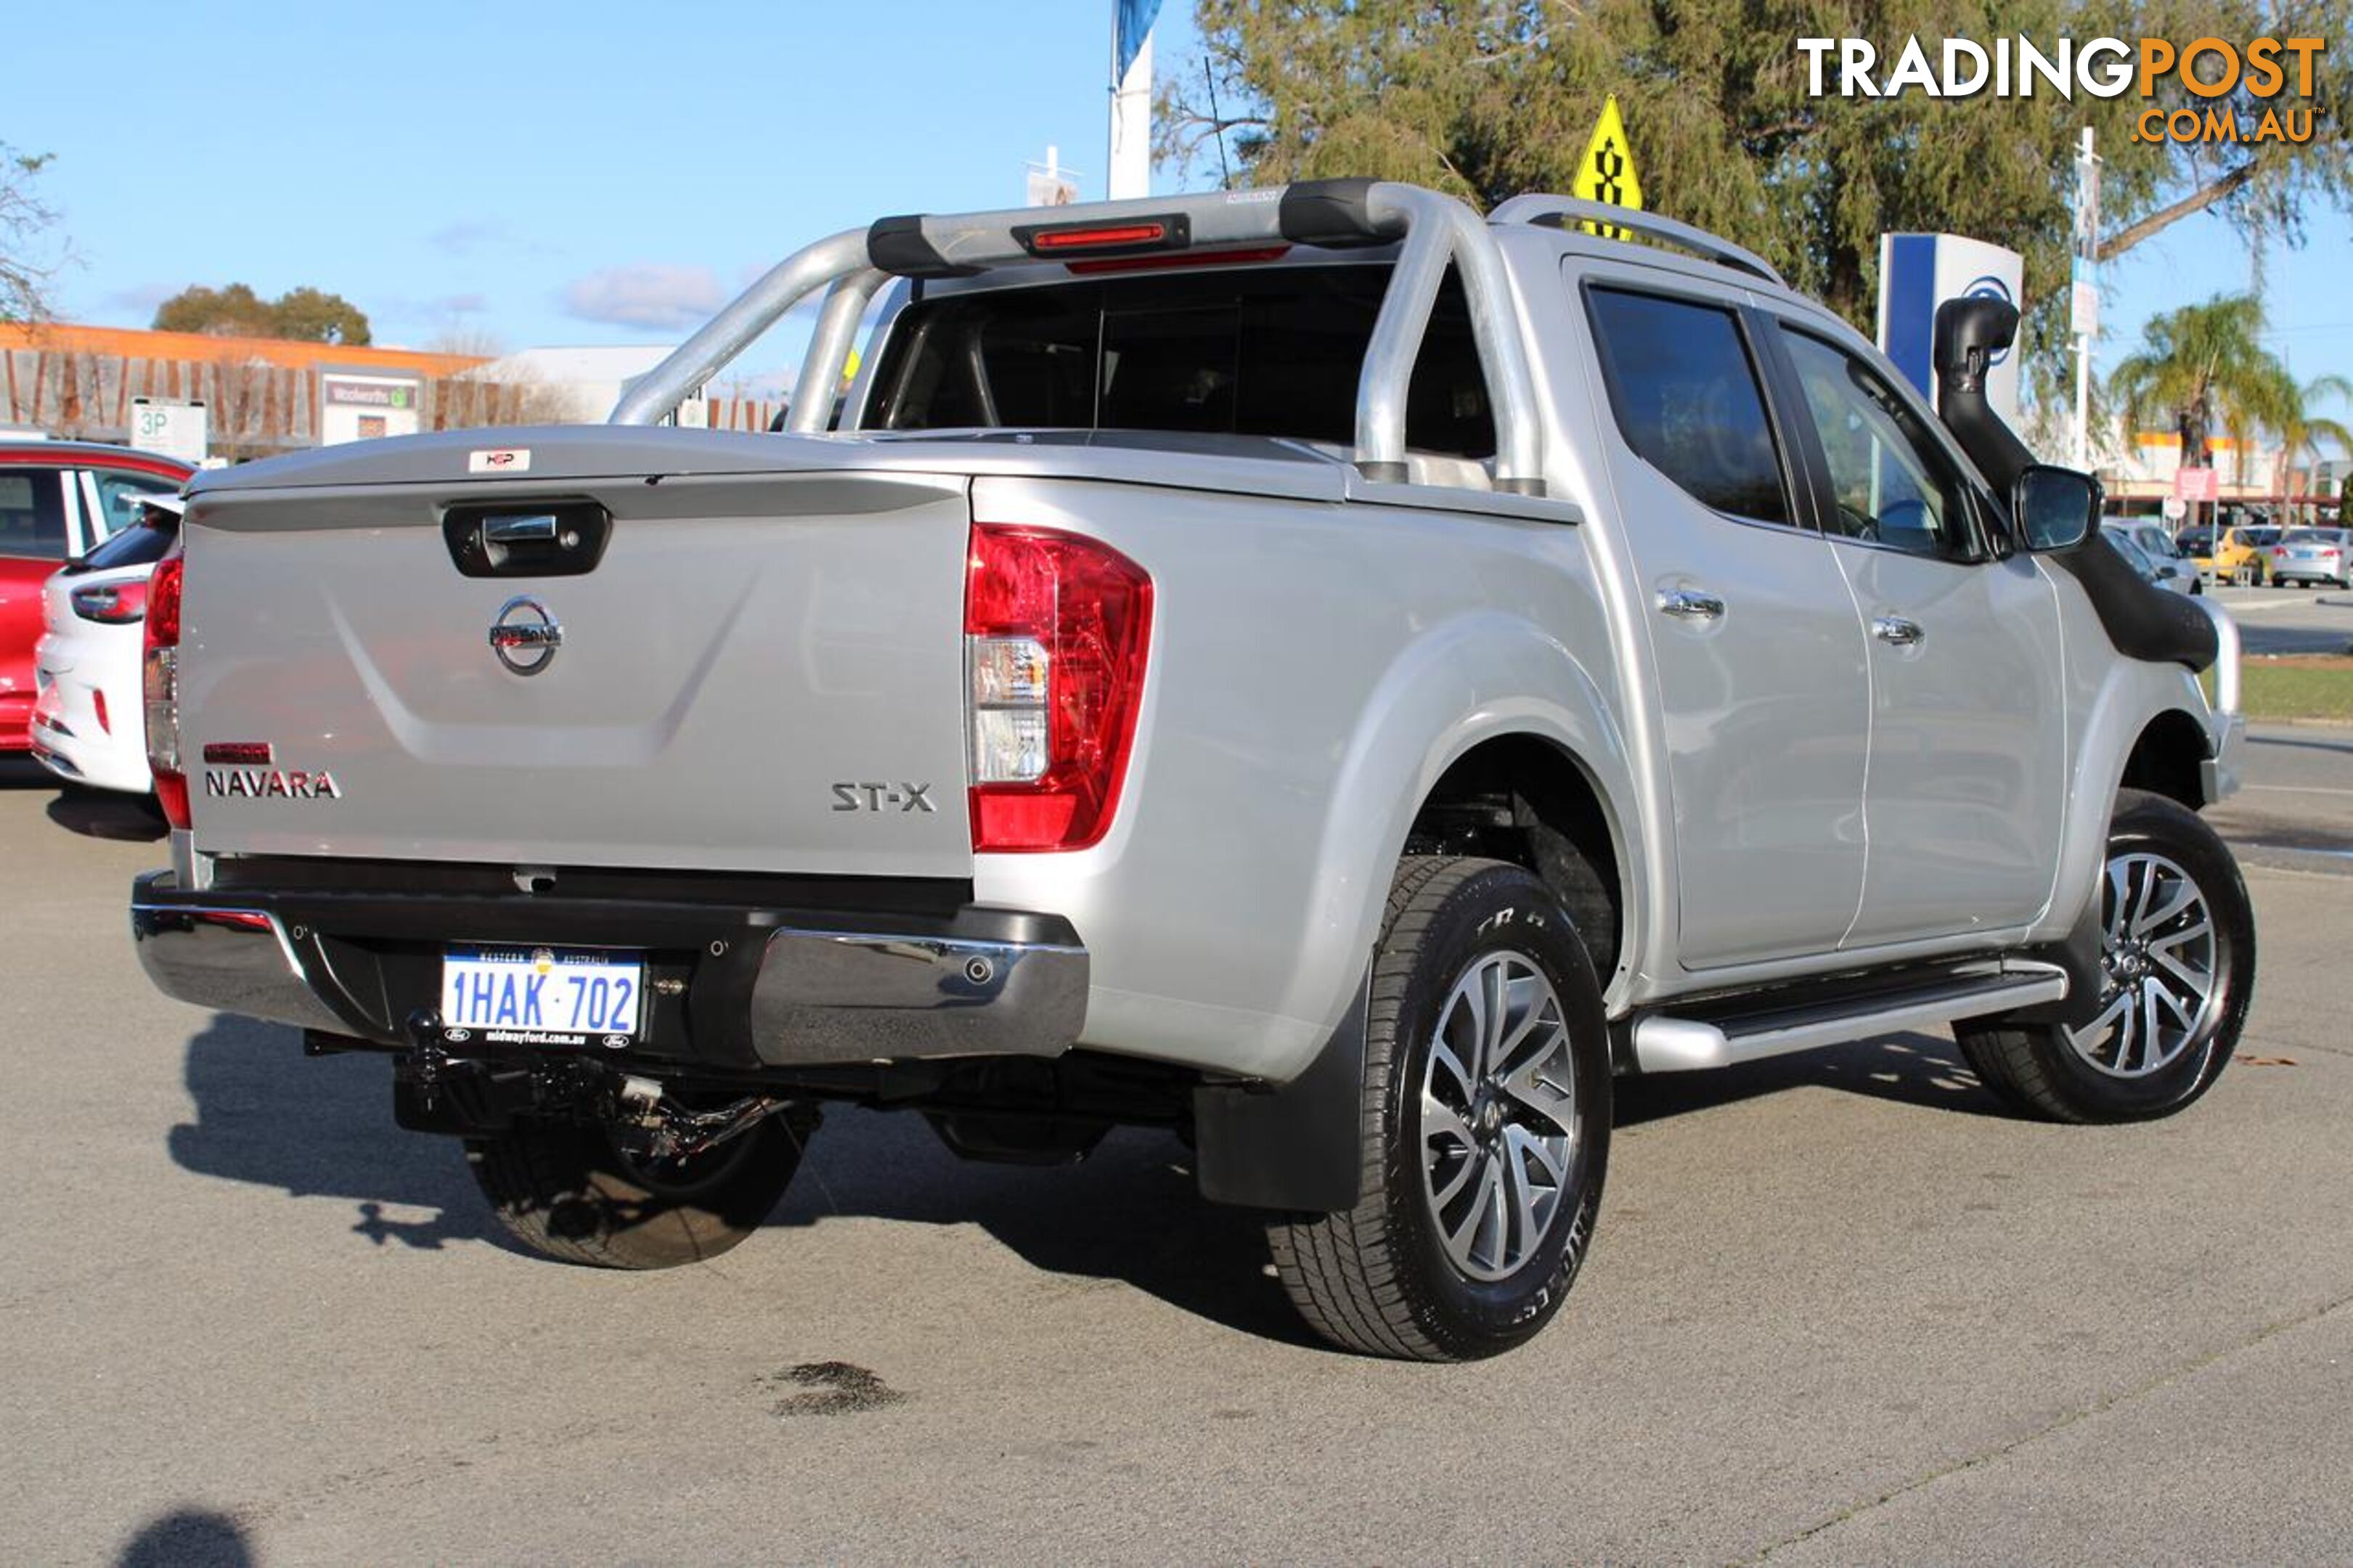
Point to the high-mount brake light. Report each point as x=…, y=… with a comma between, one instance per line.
x=1057, y=629
x=1103, y=238
x=1143, y=234
x=161, y=684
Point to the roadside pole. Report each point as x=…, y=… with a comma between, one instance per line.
x=2084, y=292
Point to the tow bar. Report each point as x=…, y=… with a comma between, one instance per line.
x=434, y=1091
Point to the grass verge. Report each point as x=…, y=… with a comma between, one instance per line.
x=2296, y=686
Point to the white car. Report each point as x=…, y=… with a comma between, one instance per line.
x=2168, y=572
x=88, y=723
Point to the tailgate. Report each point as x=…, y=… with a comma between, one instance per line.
x=762, y=672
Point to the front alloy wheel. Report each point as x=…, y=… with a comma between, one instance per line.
x=2177, y=969
x=2158, y=960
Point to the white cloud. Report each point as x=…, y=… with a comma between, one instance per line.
x=654, y=296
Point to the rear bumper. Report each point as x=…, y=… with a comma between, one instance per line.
x=739, y=988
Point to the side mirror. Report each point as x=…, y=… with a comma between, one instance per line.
x=2056, y=509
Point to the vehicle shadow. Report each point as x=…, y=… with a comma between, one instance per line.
x=1925, y=1070
x=269, y=1116
x=93, y=813
x=1130, y=1214
x=188, y=1538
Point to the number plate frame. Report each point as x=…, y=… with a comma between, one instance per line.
x=503, y=993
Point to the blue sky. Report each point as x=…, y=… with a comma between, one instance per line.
x=593, y=171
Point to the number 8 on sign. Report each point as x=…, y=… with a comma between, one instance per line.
x=1605, y=174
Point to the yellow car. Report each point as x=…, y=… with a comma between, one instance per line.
x=2242, y=554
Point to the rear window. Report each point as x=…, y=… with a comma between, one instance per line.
x=2308, y=536
x=1267, y=351
x=1686, y=398
x=141, y=545
x=2262, y=537
x=33, y=513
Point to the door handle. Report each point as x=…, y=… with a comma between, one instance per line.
x=1690, y=604
x=1897, y=632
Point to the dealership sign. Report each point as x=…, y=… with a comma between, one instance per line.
x=1919, y=272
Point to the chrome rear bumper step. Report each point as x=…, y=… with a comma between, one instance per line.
x=1668, y=1044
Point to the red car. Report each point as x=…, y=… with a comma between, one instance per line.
x=57, y=499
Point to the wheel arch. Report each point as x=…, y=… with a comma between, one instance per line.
x=2147, y=730
x=2167, y=758
x=1521, y=796
x=1481, y=681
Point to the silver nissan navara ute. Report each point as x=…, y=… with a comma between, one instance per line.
x=1314, y=670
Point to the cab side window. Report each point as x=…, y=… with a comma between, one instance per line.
x=1686, y=397
x=1891, y=482
x=33, y=513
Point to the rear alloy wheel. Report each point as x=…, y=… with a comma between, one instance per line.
x=1498, y=1116
x=2177, y=970
x=1485, y=1129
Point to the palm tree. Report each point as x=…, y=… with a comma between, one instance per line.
x=2303, y=431
x=2202, y=364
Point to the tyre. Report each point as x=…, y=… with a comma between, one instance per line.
x=565, y=1190
x=1485, y=1125
x=2177, y=969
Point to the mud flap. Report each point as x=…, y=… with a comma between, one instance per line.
x=1295, y=1146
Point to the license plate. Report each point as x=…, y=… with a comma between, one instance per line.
x=541, y=995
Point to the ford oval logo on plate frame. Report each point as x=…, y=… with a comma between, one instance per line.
x=525, y=635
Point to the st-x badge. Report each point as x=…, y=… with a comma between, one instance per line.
x=525, y=637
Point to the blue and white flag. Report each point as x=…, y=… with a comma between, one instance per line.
x=1133, y=20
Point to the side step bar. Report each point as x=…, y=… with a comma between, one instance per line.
x=1664, y=1044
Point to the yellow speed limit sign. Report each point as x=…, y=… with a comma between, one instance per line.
x=1605, y=174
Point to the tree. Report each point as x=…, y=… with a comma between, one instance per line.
x=25, y=274
x=306, y=315
x=316, y=317
x=2201, y=365
x=1488, y=98
x=2302, y=430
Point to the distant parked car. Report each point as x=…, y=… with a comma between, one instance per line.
x=89, y=721
x=59, y=500
x=2153, y=535
x=2174, y=575
x=2240, y=554
x=2318, y=557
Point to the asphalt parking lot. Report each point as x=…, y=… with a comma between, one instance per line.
x=2291, y=620
x=1840, y=1310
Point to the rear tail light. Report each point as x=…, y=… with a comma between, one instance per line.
x=1056, y=631
x=110, y=604
x=162, y=686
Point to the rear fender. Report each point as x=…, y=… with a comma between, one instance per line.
x=1462, y=683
